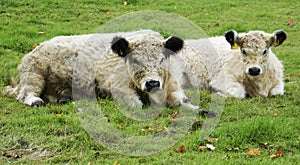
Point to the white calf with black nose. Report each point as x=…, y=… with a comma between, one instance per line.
x=133, y=67
x=251, y=68
x=247, y=65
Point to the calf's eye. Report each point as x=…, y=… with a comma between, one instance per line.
x=265, y=51
x=162, y=60
x=244, y=51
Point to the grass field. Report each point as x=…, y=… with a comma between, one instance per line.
x=249, y=131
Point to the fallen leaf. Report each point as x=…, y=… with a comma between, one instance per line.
x=273, y=114
x=290, y=22
x=276, y=154
x=210, y=139
x=225, y=157
x=79, y=109
x=34, y=46
x=253, y=152
x=102, y=102
x=116, y=163
x=41, y=33
x=147, y=129
x=207, y=146
x=211, y=147
x=233, y=149
x=273, y=156
x=58, y=115
x=265, y=145
x=180, y=149
x=174, y=115
x=12, y=154
x=201, y=148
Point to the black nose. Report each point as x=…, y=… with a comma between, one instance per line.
x=152, y=85
x=254, y=71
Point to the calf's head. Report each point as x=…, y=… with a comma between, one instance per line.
x=146, y=59
x=255, y=47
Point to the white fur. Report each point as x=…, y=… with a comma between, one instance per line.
x=57, y=65
x=229, y=73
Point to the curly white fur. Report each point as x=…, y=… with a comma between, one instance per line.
x=74, y=66
x=252, y=70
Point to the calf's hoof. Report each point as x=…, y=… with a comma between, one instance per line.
x=63, y=101
x=37, y=103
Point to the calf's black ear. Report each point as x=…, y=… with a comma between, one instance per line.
x=232, y=38
x=278, y=37
x=120, y=46
x=174, y=44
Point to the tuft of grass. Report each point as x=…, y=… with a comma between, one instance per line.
x=54, y=134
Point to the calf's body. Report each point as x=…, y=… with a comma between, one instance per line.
x=243, y=64
x=133, y=67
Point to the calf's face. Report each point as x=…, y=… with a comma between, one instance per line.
x=147, y=59
x=254, y=47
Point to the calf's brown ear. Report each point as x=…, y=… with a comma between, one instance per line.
x=278, y=37
x=232, y=38
x=120, y=46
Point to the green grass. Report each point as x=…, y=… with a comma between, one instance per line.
x=38, y=136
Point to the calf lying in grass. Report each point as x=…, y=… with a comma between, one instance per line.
x=132, y=67
x=252, y=70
